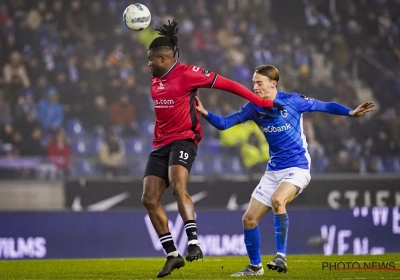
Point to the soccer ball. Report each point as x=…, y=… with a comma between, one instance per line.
x=137, y=17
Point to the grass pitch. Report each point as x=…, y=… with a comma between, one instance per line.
x=299, y=267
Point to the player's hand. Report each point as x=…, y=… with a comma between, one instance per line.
x=362, y=109
x=200, y=108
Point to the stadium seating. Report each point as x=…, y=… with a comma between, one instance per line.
x=210, y=146
x=74, y=128
x=95, y=146
x=79, y=147
x=198, y=167
x=84, y=167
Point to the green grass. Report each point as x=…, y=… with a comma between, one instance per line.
x=300, y=267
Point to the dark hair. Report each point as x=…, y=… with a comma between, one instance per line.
x=269, y=71
x=168, y=39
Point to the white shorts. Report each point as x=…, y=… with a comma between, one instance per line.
x=271, y=180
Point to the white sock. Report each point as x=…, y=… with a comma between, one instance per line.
x=258, y=265
x=283, y=255
x=193, y=242
x=174, y=254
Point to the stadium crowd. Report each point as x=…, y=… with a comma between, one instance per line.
x=75, y=87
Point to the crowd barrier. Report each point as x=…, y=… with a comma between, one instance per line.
x=122, y=234
x=328, y=191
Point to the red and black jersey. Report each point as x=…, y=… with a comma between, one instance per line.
x=174, y=103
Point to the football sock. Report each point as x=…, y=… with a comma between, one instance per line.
x=168, y=244
x=281, y=224
x=252, y=242
x=191, y=232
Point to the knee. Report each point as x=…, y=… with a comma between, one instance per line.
x=178, y=190
x=249, y=221
x=148, y=201
x=277, y=202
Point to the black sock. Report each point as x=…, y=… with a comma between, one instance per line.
x=191, y=232
x=167, y=242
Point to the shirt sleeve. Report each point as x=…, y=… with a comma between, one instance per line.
x=304, y=103
x=197, y=77
x=223, y=123
x=307, y=104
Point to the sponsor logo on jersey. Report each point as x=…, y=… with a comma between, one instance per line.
x=164, y=103
x=310, y=100
x=262, y=114
x=206, y=72
x=273, y=129
x=160, y=86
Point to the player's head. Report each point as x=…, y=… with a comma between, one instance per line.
x=265, y=80
x=162, y=50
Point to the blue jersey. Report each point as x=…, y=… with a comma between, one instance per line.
x=283, y=130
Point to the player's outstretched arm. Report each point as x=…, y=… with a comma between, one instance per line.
x=219, y=122
x=365, y=107
x=236, y=88
x=304, y=104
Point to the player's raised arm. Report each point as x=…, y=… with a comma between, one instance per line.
x=220, y=122
x=307, y=104
x=236, y=88
x=201, y=78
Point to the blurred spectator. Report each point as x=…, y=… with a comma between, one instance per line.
x=255, y=154
x=100, y=115
x=314, y=18
x=17, y=142
x=41, y=88
x=72, y=69
x=82, y=100
x=50, y=113
x=7, y=131
x=26, y=106
x=59, y=152
x=36, y=15
x=122, y=114
x=76, y=20
x=15, y=72
x=343, y=164
x=5, y=109
x=26, y=124
x=60, y=18
x=339, y=55
x=33, y=145
x=232, y=138
x=111, y=156
x=16, y=78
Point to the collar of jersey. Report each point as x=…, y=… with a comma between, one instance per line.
x=173, y=66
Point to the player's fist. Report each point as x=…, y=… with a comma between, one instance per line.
x=200, y=108
x=362, y=109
